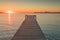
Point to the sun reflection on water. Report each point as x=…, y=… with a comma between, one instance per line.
x=10, y=18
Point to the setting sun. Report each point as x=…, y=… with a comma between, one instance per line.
x=9, y=11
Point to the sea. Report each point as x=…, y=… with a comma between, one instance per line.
x=49, y=24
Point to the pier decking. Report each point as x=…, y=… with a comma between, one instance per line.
x=29, y=30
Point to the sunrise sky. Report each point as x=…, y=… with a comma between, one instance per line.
x=30, y=5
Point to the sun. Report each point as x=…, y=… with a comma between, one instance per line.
x=9, y=11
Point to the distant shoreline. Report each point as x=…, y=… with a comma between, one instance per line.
x=36, y=12
x=47, y=12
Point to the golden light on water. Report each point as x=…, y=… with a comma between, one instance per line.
x=9, y=12
x=9, y=18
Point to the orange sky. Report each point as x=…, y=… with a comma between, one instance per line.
x=30, y=5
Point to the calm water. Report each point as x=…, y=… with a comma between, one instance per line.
x=49, y=23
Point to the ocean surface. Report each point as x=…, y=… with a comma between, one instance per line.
x=49, y=24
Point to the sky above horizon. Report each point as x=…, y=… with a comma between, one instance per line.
x=30, y=5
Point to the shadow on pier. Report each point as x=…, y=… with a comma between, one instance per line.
x=29, y=30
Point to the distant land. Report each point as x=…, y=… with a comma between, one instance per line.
x=47, y=12
x=37, y=12
x=1, y=12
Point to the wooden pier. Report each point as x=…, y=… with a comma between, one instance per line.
x=29, y=30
